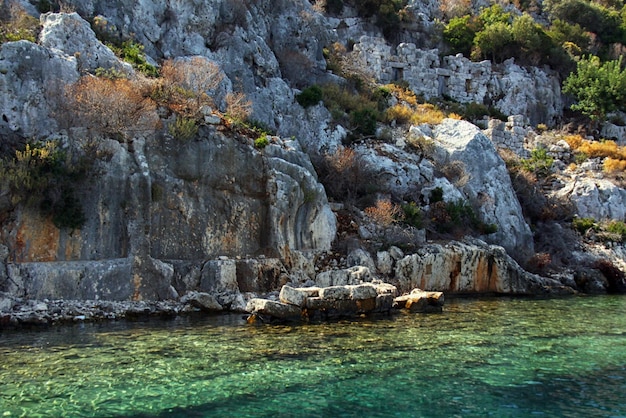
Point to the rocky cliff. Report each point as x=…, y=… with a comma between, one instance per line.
x=219, y=214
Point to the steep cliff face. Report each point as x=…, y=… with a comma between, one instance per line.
x=151, y=197
x=215, y=213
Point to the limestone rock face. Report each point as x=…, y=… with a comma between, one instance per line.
x=400, y=171
x=83, y=45
x=596, y=198
x=468, y=268
x=488, y=187
x=203, y=301
x=31, y=80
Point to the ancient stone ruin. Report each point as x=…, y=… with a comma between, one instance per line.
x=322, y=303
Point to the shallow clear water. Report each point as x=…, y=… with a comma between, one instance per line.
x=495, y=357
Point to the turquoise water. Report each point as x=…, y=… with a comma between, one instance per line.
x=495, y=357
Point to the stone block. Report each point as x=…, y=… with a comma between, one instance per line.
x=384, y=302
x=273, y=309
x=293, y=296
x=386, y=289
x=204, y=301
x=420, y=301
x=366, y=305
x=335, y=293
x=317, y=303
x=363, y=291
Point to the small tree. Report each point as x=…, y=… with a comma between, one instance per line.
x=460, y=33
x=493, y=42
x=598, y=88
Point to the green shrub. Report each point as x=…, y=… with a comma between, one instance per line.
x=413, y=215
x=539, y=163
x=460, y=33
x=334, y=6
x=494, y=42
x=43, y=176
x=364, y=120
x=310, y=96
x=183, y=129
x=17, y=25
x=132, y=52
x=582, y=225
x=262, y=142
x=618, y=228
x=599, y=88
x=458, y=216
x=436, y=195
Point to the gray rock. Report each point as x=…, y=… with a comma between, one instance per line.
x=83, y=45
x=595, y=198
x=335, y=293
x=204, y=301
x=363, y=291
x=273, y=309
x=28, y=74
x=293, y=296
x=470, y=267
x=488, y=187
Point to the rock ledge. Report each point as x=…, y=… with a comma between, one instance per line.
x=322, y=303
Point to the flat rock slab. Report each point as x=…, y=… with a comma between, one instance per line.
x=420, y=301
x=273, y=309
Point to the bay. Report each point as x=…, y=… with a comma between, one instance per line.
x=498, y=357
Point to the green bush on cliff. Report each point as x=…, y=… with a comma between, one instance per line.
x=310, y=96
x=17, y=25
x=183, y=129
x=132, y=52
x=42, y=175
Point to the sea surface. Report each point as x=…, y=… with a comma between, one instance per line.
x=497, y=357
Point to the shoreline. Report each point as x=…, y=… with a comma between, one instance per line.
x=42, y=314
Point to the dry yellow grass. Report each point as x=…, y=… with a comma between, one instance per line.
x=427, y=113
x=615, y=155
x=603, y=149
x=400, y=113
x=402, y=94
x=612, y=165
x=574, y=141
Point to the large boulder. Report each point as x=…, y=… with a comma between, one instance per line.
x=488, y=185
x=595, y=198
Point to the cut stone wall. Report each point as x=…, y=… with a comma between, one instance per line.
x=514, y=90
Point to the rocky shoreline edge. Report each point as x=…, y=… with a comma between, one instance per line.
x=291, y=304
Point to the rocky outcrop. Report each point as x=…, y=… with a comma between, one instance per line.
x=154, y=207
x=83, y=45
x=315, y=303
x=32, y=79
x=488, y=186
x=420, y=301
x=18, y=312
x=595, y=198
x=469, y=268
